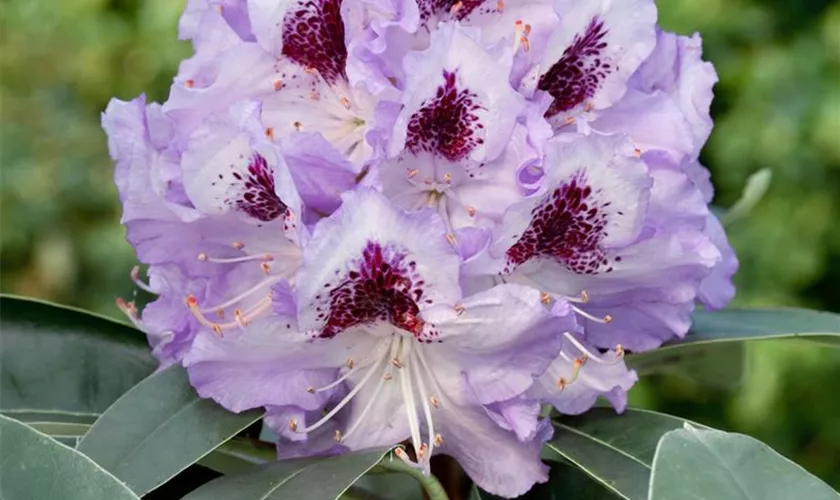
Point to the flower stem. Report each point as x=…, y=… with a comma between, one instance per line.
x=430, y=484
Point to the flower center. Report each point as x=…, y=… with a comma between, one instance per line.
x=313, y=36
x=396, y=355
x=383, y=286
x=446, y=124
x=579, y=72
x=568, y=226
x=257, y=197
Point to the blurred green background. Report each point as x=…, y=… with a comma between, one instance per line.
x=777, y=106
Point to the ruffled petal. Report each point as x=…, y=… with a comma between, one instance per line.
x=501, y=338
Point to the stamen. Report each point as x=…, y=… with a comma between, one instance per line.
x=375, y=353
x=297, y=125
x=606, y=319
x=396, y=363
x=570, y=120
x=594, y=357
x=637, y=152
x=315, y=96
x=438, y=439
x=277, y=84
x=345, y=102
x=189, y=83
x=366, y=409
x=430, y=425
x=135, y=277
x=269, y=132
x=545, y=298
x=219, y=308
x=434, y=401
x=265, y=267
x=500, y=5
x=342, y=403
x=350, y=363
x=241, y=319
x=411, y=172
x=447, y=178
x=337, y=436
x=459, y=309
x=410, y=405
x=456, y=7
x=130, y=310
x=247, y=258
x=587, y=107
x=471, y=210
x=401, y=454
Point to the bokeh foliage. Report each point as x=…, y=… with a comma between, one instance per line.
x=777, y=106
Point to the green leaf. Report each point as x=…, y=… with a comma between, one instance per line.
x=35, y=466
x=239, y=454
x=719, y=365
x=713, y=334
x=159, y=428
x=614, y=450
x=319, y=478
x=565, y=482
x=705, y=464
x=757, y=324
x=63, y=365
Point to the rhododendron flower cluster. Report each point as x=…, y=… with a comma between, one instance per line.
x=421, y=220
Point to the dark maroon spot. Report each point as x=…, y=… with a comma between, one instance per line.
x=568, y=226
x=313, y=36
x=579, y=72
x=382, y=287
x=258, y=198
x=455, y=9
x=445, y=125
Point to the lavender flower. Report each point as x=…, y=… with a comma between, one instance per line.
x=388, y=220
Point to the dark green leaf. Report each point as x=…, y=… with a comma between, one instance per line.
x=614, y=450
x=159, y=428
x=239, y=454
x=718, y=364
x=714, y=334
x=704, y=464
x=319, y=478
x=37, y=467
x=63, y=365
x=565, y=482
x=732, y=325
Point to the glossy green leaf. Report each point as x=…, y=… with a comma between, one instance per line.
x=159, y=428
x=713, y=332
x=733, y=325
x=565, y=482
x=614, y=450
x=718, y=364
x=63, y=365
x=319, y=478
x=239, y=454
x=37, y=467
x=705, y=464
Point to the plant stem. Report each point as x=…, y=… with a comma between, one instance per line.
x=429, y=483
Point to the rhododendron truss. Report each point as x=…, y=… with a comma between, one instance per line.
x=421, y=222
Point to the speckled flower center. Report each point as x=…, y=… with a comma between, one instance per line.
x=446, y=124
x=458, y=9
x=313, y=36
x=382, y=286
x=257, y=197
x=579, y=72
x=568, y=226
